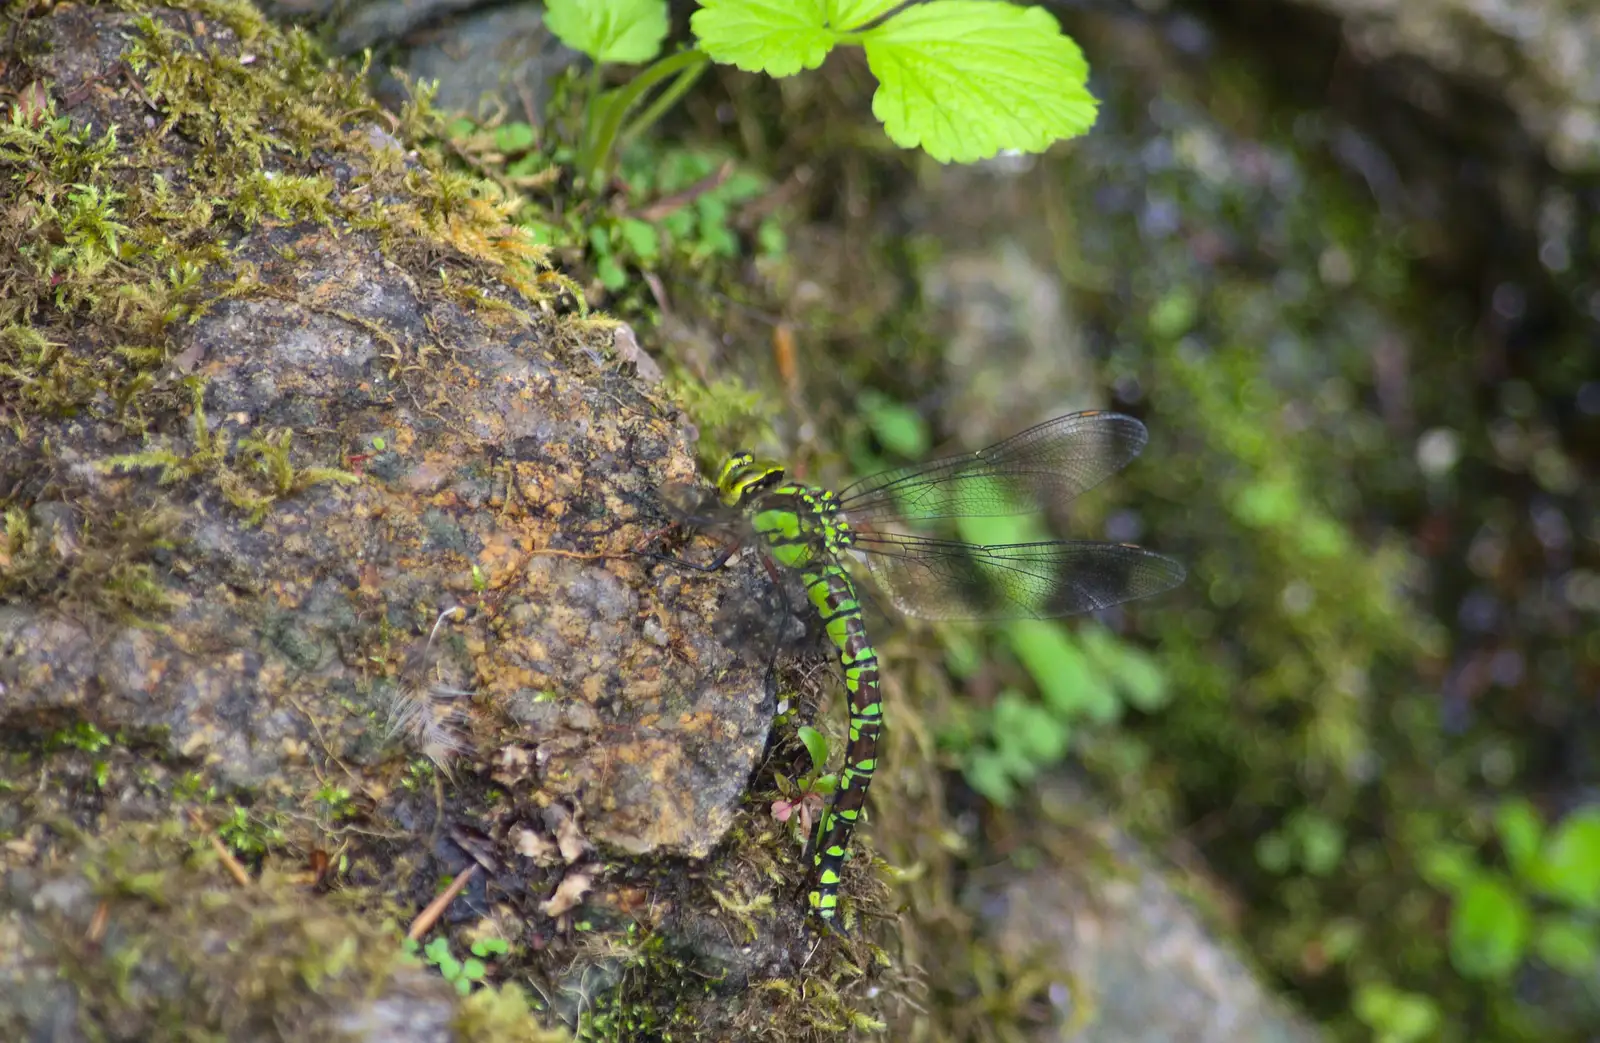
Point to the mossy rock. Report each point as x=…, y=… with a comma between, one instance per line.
x=318, y=590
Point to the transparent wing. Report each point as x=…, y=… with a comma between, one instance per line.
x=1039, y=468
x=947, y=579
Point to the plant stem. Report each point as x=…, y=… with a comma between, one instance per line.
x=663, y=101
x=586, y=136
x=606, y=112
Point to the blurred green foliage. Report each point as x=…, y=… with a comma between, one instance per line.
x=1545, y=902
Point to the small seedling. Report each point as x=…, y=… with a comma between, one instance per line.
x=804, y=797
x=463, y=974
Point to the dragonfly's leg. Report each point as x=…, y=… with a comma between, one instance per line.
x=771, y=678
x=715, y=564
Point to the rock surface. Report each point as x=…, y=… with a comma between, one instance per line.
x=310, y=482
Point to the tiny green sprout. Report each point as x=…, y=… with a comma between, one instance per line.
x=379, y=443
x=480, y=582
x=487, y=947
x=962, y=79
x=463, y=974
x=82, y=736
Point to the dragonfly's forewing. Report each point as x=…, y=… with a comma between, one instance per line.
x=1040, y=468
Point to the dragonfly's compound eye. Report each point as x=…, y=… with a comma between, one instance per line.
x=741, y=459
x=743, y=478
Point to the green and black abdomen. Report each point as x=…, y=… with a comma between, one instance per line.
x=804, y=531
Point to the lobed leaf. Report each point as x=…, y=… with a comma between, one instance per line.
x=779, y=37
x=965, y=79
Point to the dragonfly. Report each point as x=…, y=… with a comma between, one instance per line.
x=817, y=533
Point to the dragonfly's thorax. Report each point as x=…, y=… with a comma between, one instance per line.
x=800, y=524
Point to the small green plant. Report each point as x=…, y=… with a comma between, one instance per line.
x=1084, y=677
x=335, y=802
x=80, y=736
x=695, y=232
x=248, y=836
x=804, y=797
x=962, y=79
x=1546, y=902
x=463, y=974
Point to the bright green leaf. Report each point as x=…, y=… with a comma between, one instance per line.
x=778, y=37
x=1489, y=929
x=642, y=238
x=853, y=14
x=1134, y=672
x=901, y=429
x=965, y=79
x=609, y=30
x=1521, y=830
x=771, y=239
x=1069, y=683
x=490, y=947
x=513, y=137
x=679, y=224
x=1567, y=945
x=742, y=185
x=1395, y=1016
x=985, y=772
x=816, y=745
x=1023, y=726
x=713, y=210
x=718, y=241
x=1570, y=866
x=1449, y=867
x=612, y=275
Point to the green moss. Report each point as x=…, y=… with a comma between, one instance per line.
x=192, y=950
x=504, y=1014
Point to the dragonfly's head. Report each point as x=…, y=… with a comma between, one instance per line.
x=743, y=478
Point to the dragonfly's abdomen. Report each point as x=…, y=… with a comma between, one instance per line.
x=832, y=593
x=804, y=530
